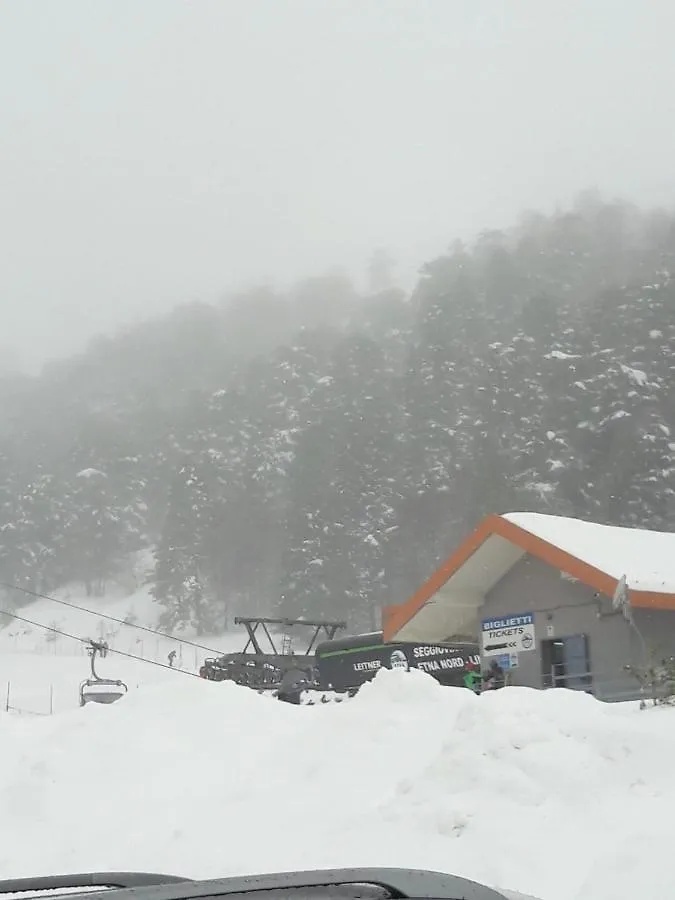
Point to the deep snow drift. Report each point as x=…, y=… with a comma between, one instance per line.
x=550, y=793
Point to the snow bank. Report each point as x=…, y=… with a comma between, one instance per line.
x=647, y=558
x=553, y=794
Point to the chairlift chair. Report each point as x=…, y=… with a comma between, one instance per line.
x=105, y=690
x=96, y=689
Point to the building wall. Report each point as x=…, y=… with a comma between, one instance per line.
x=657, y=628
x=569, y=608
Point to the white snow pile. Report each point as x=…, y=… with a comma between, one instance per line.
x=647, y=558
x=549, y=793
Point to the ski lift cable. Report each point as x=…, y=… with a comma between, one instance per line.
x=80, y=640
x=92, y=612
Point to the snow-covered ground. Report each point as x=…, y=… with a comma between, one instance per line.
x=41, y=671
x=550, y=793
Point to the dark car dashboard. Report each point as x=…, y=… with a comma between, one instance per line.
x=329, y=884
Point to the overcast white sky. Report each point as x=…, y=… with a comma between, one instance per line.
x=155, y=151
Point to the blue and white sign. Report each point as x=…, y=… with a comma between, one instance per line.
x=507, y=661
x=508, y=634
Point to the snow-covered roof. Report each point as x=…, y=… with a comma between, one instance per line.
x=646, y=558
x=597, y=555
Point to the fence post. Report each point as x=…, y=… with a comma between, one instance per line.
x=51, y=699
x=7, y=699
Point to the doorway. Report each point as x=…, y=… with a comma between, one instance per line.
x=565, y=663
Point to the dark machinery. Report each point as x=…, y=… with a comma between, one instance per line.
x=96, y=689
x=335, y=668
x=346, y=664
x=263, y=668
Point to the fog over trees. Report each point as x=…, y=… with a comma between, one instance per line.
x=318, y=451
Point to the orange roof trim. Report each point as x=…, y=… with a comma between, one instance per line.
x=395, y=617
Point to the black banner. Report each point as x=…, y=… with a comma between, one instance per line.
x=353, y=666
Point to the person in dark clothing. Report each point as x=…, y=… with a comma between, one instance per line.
x=294, y=683
x=494, y=678
x=172, y=657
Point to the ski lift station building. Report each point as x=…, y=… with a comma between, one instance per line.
x=558, y=602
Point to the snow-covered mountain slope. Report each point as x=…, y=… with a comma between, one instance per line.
x=550, y=793
x=41, y=670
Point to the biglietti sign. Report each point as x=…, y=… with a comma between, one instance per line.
x=508, y=634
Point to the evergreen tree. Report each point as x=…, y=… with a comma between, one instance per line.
x=180, y=581
x=318, y=452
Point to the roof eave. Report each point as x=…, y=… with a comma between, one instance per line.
x=394, y=618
